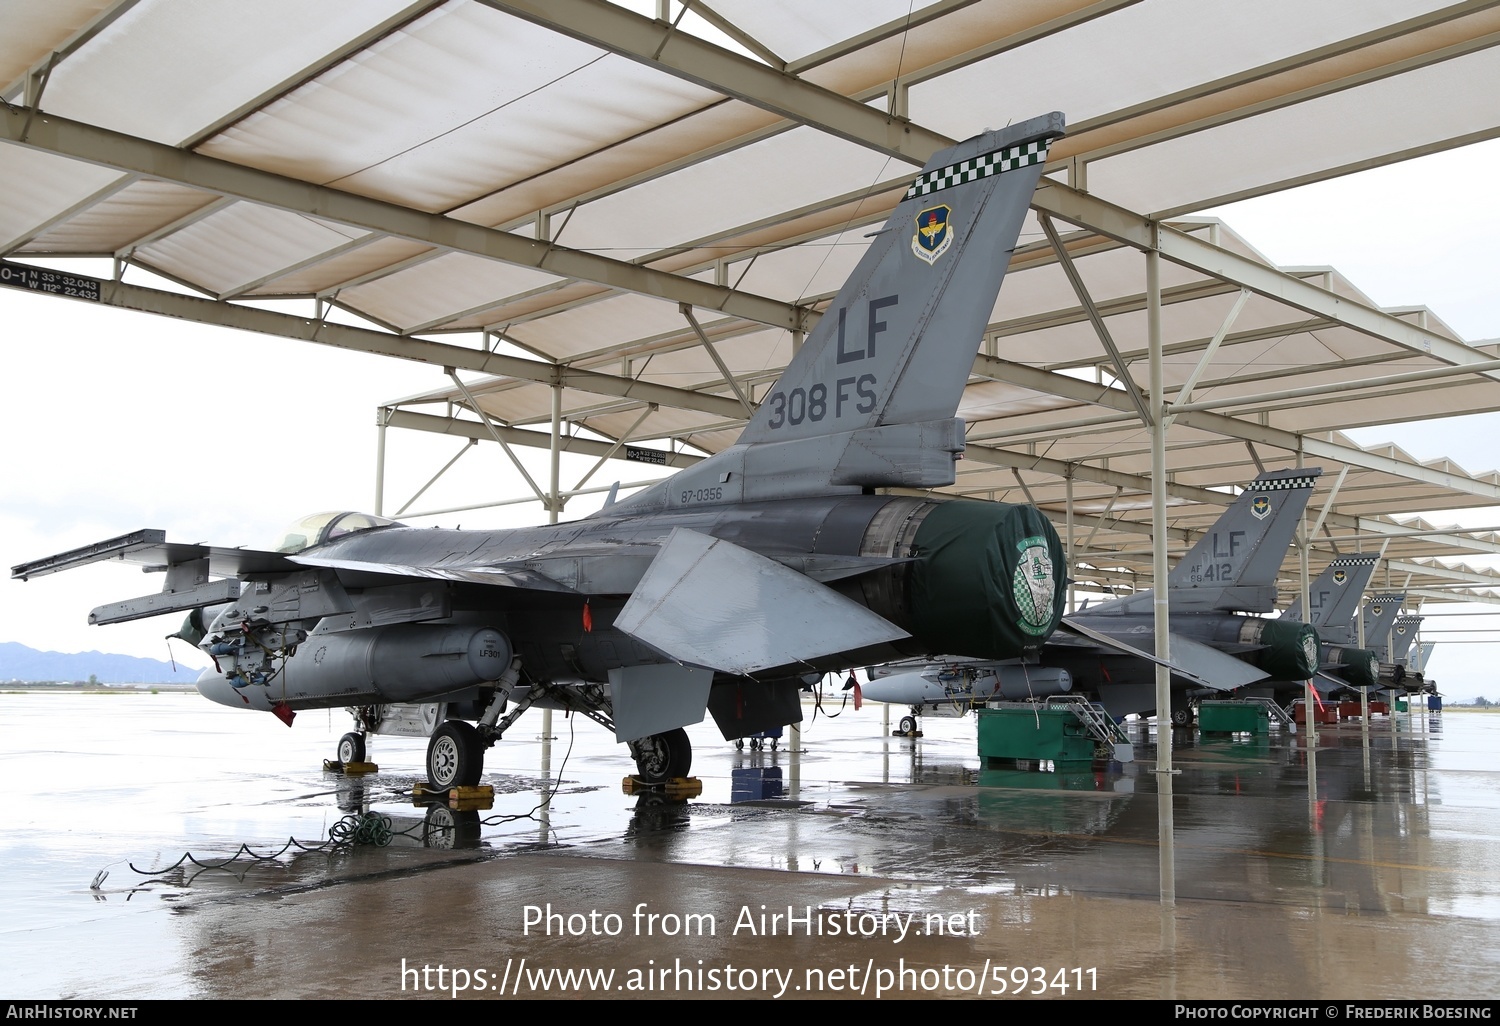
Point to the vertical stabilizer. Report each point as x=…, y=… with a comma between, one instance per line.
x=1403, y=634
x=870, y=399
x=1235, y=564
x=927, y=285
x=1380, y=617
x=1334, y=597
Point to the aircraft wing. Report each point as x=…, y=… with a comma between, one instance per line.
x=770, y=615
x=151, y=550
x=189, y=571
x=584, y=570
x=1202, y=664
x=507, y=575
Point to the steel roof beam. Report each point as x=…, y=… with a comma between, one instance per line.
x=519, y=436
x=105, y=148
x=1401, y=566
x=608, y=27
x=1182, y=248
x=1084, y=391
x=658, y=45
x=437, y=354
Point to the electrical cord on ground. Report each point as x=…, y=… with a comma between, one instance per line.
x=354, y=830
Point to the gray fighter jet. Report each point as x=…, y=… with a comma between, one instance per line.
x=1106, y=652
x=1216, y=643
x=721, y=588
x=1391, y=636
x=1334, y=600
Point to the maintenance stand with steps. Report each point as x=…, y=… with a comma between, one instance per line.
x=1063, y=730
x=1241, y=716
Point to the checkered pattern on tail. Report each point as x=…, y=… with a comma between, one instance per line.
x=983, y=166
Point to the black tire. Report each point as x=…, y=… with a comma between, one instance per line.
x=662, y=757
x=351, y=748
x=455, y=756
x=908, y=725
x=1182, y=715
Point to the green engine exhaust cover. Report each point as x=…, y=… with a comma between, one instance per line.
x=990, y=582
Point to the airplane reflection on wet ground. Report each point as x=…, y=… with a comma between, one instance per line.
x=1361, y=867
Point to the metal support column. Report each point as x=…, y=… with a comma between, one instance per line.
x=1167, y=867
x=382, y=418
x=554, y=496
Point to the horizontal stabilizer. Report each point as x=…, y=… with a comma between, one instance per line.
x=1191, y=660
x=770, y=615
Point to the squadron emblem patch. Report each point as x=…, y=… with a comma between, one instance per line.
x=932, y=237
x=1032, y=586
x=1260, y=507
x=1339, y=577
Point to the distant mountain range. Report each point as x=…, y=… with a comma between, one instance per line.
x=20, y=663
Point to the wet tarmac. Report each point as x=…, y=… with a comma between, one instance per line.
x=846, y=861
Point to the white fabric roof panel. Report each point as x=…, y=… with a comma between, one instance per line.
x=590, y=327
x=166, y=70
x=755, y=182
x=115, y=223
x=1403, y=114
x=35, y=27
x=434, y=116
x=1140, y=53
x=332, y=273
x=442, y=285
x=817, y=268
x=41, y=186
x=240, y=244
x=609, y=167
x=802, y=29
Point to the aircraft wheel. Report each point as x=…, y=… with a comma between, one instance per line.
x=352, y=748
x=908, y=725
x=661, y=757
x=739, y=744
x=455, y=757
x=1182, y=715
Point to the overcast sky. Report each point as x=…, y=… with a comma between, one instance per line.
x=116, y=421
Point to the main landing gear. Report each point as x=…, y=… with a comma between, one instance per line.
x=456, y=747
x=455, y=752
x=455, y=755
x=662, y=757
x=352, y=748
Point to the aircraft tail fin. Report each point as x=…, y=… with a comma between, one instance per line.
x=1380, y=616
x=870, y=399
x=1235, y=564
x=897, y=344
x=1403, y=634
x=1334, y=597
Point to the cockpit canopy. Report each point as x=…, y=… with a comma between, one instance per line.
x=324, y=527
